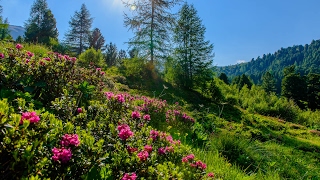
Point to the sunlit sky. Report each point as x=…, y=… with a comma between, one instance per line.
x=239, y=29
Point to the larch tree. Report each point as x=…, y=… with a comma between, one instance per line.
x=41, y=26
x=96, y=39
x=151, y=21
x=78, y=35
x=193, y=52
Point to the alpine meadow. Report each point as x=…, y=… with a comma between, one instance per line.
x=74, y=105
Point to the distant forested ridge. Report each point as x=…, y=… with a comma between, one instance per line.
x=305, y=58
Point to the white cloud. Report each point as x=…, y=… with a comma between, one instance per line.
x=240, y=61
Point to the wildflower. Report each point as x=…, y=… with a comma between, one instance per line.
x=131, y=149
x=120, y=98
x=187, y=158
x=148, y=148
x=98, y=69
x=42, y=63
x=102, y=73
x=1, y=55
x=169, y=149
x=169, y=139
x=30, y=116
x=124, y=132
x=19, y=46
x=154, y=134
x=64, y=155
x=27, y=61
x=143, y=155
x=135, y=115
x=210, y=174
x=73, y=59
x=70, y=140
x=201, y=165
x=126, y=176
x=47, y=59
x=30, y=54
x=161, y=151
x=79, y=110
x=109, y=94
x=146, y=117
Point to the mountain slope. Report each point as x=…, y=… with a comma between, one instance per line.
x=306, y=58
x=16, y=31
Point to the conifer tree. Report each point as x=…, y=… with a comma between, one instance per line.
x=224, y=78
x=111, y=55
x=313, y=95
x=151, y=21
x=41, y=26
x=96, y=40
x=78, y=35
x=268, y=82
x=193, y=52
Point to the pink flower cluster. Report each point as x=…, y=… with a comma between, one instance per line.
x=65, y=57
x=143, y=155
x=174, y=114
x=30, y=54
x=29, y=116
x=119, y=97
x=199, y=164
x=135, y=115
x=131, y=149
x=61, y=154
x=19, y=46
x=210, y=174
x=1, y=55
x=124, y=132
x=126, y=176
x=70, y=140
x=154, y=134
x=148, y=148
x=147, y=117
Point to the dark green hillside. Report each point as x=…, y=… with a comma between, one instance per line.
x=306, y=59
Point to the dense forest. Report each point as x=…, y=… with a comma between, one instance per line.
x=305, y=58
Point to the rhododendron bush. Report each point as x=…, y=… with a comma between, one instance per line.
x=84, y=130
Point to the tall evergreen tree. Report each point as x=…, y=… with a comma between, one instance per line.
x=111, y=54
x=4, y=31
x=294, y=86
x=313, y=95
x=268, y=82
x=96, y=40
x=193, y=52
x=151, y=21
x=41, y=26
x=78, y=35
x=224, y=78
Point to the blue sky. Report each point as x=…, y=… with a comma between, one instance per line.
x=239, y=29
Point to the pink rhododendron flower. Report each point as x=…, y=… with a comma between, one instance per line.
x=187, y=158
x=210, y=174
x=143, y=155
x=120, y=98
x=148, y=148
x=19, y=46
x=42, y=63
x=161, y=151
x=102, y=73
x=109, y=95
x=70, y=140
x=30, y=116
x=73, y=59
x=30, y=54
x=124, y=131
x=47, y=59
x=126, y=176
x=154, y=134
x=146, y=117
x=27, y=61
x=1, y=56
x=169, y=149
x=98, y=69
x=79, y=110
x=135, y=115
x=131, y=149
x=63, y=155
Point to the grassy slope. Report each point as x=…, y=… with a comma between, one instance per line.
x=250, y=146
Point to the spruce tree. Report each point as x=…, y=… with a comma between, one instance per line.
x=41, y=26
x=224, y=78
x=78, y=35
x=193, y=52
x=151, y=21
x=268, y=82
x=96, y=40
x=111, y=55
x=313, y=95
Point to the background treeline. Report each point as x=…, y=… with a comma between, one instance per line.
x=305, y=58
